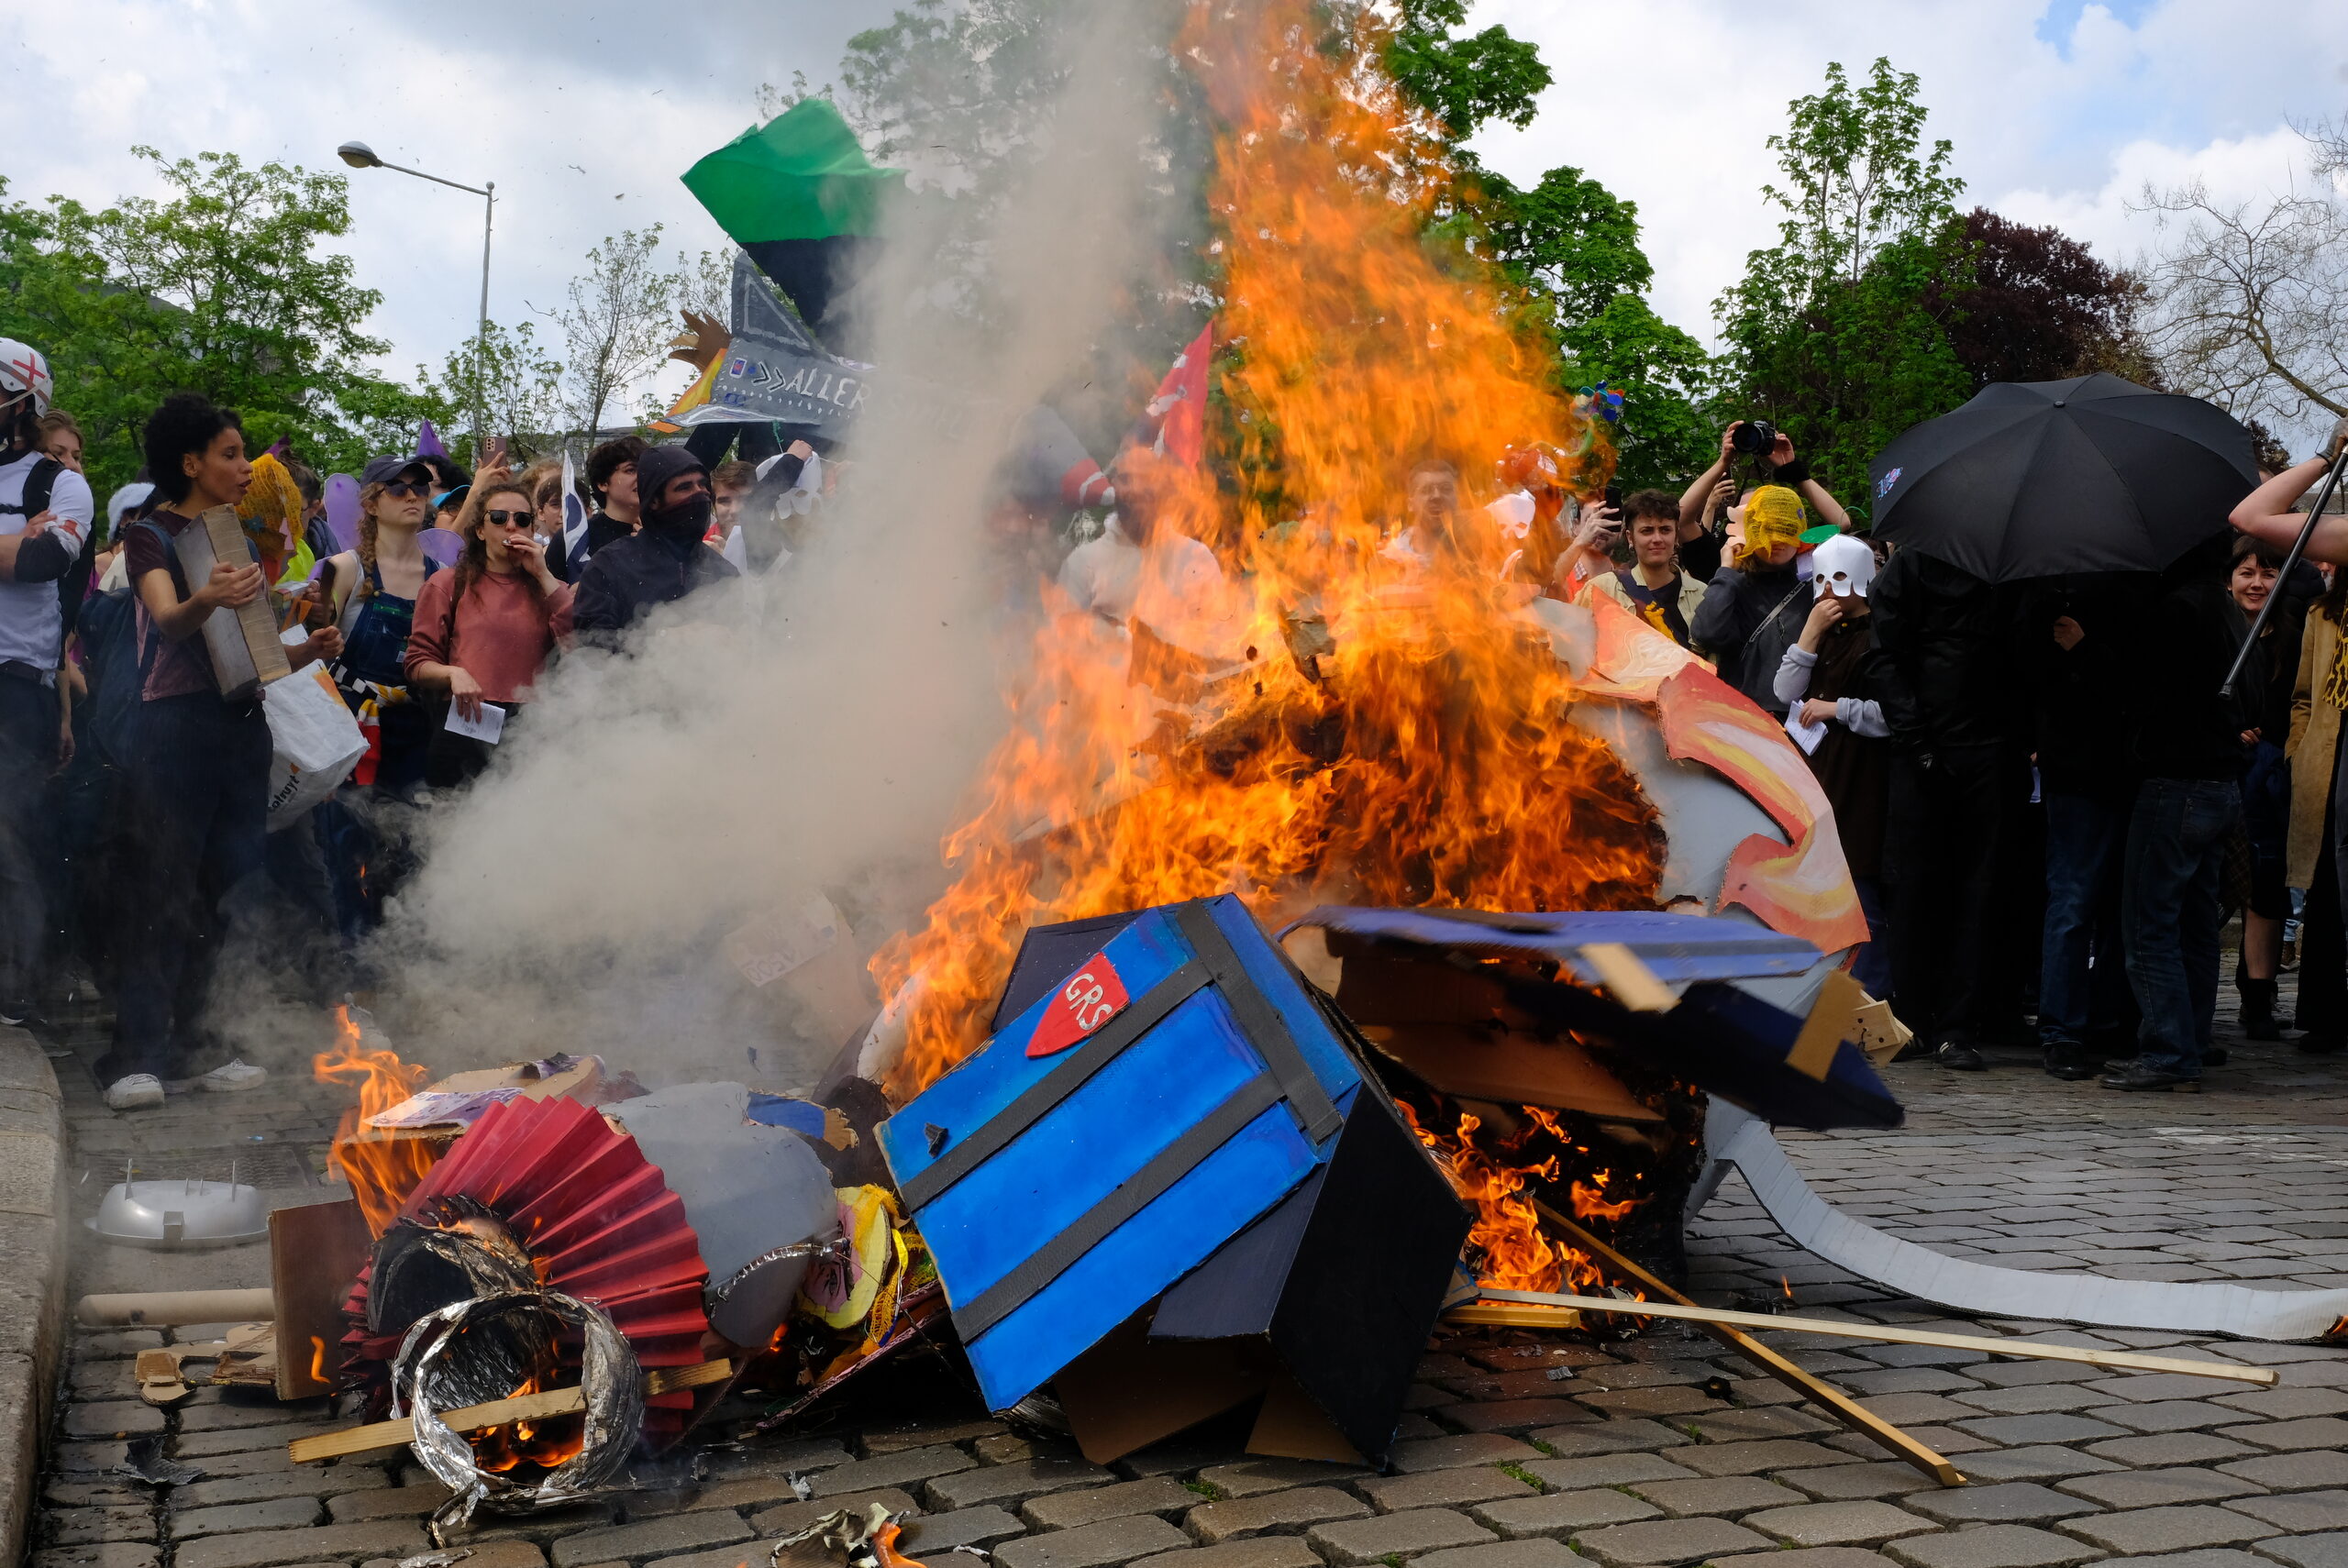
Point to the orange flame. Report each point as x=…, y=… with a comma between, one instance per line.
x=381, y=1168
x=1511, y=1250
x=318, y=1359
x=1354, y=703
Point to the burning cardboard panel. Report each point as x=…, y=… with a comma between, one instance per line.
x=1734, y=1138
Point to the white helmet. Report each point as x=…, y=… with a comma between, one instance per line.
x=22, y=370
x=1843, y=566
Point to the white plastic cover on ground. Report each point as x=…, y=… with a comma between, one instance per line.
x=1734, y=1137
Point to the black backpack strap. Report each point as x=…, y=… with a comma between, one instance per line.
x=39, y=485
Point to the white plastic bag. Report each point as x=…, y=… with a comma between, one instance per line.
x=314, y=742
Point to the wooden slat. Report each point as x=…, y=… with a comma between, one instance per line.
x=1541, y=1311
x=1810, y=1386
x=535, y=1407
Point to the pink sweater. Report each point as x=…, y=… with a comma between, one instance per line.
x=503, y=632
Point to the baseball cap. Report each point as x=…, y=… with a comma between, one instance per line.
x=382, y=471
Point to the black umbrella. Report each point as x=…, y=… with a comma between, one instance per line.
x=2041, y=479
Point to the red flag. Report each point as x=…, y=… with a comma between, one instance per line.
x=1086, y=1000
x=1180, y=402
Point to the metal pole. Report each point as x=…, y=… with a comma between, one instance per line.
x=2298, y=546
x=481, y=342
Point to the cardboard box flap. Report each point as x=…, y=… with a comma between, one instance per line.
x=1678, y=948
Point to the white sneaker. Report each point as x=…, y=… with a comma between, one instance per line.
x=233, y=1078
x=139, y=1091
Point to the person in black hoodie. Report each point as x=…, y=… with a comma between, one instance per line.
x=1952, y=667
x=659, y=564
x=2192, y=745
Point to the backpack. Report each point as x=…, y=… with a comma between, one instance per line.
x=117, y=665
x=39, y=485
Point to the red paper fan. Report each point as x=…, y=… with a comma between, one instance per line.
x=598, y=1221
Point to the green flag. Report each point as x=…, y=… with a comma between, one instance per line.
x=800, y=176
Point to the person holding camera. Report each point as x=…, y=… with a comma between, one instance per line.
x=1713, y=496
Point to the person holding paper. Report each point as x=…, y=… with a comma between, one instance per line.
x=484, y=629
x=197, y=782
x=1824, y=679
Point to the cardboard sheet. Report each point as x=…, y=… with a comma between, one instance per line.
x=1731, y=1137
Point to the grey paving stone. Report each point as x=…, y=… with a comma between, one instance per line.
x=2008, y=1502
x=1004, y=1483
x=965, y=1526
x=1093, y=1546
x=1257, y=1551
x=1560, y=1514
x=204, y=1446
x=2167, y=1415
x=802, y=1456
x=120, y=1493
x=1665, y=1541
x=2035, y=1399
x=112, y=1554
x=2292, y=1472
x=1442, y=1488
x=389, y=1503
x=94, y=1527
x=1607, y=1437
x=791, y=1517
x=307, y=1481
x=2206, y=1557
x=271, y=1549
x=223, y=1416
x=486, y=1554
x=1250, y=1477
x=1604, y=1469
x=1403, y=1535
x=652, y=1537
x=1814, y=1557
x=2171, y=1448
x=897, y=1439
x=118, y=1344
x=2315, y=1431
x=84, y=1458
x=1513, y=1415
x=1879, y=1478
x=1450, y=1452
x=1727, y=1497
x=278, y=1513
x=111, y=1418
x=1631, y=1403
x=2330, y=1551
x=1751, y=1458
x=1534, y=1552
x=1718, y=1425
x=1280, y=1513
x=2166, y=1529
x=2156, y=1488
x=2286, y=1404
x=1860, y=1523
x=2301, y=1513
x=2049, y=1427
x=1991, y=1546
x=900, y=1469
x=1007, y=1448
x=1090, y=1505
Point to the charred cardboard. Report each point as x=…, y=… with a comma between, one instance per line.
x=1336, y=1227
x=1803, y=1072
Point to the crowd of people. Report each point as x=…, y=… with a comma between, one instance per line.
x=2047, y=803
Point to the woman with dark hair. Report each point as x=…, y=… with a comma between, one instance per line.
x=483, y=630
x=198, y=775
x=372, y=591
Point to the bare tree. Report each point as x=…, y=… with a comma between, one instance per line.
x=2250, y=299
x=616, y=325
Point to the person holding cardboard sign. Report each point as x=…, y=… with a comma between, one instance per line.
x=198, y=775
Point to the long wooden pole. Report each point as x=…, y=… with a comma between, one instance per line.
x=1809, y=1384
x=538, y=1406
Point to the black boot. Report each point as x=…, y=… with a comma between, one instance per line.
x=2257, y=1011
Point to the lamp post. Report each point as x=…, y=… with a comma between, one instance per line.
x=359, y=155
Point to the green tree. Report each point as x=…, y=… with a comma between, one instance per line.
x=616, y=325
x=1839, y=333
x=220, y=287
x=510, y=379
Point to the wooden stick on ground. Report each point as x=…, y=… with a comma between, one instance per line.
x=161, y=1306
x=1810, y=1386
x=537, y=1407
x=1529, y=1310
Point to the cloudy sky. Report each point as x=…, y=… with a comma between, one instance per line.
x=584, y=114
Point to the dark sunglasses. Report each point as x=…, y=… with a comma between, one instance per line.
x=511, y=519
x=405, y=489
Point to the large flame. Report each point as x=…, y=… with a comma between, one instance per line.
x=381, y=1168
x=1350, y=714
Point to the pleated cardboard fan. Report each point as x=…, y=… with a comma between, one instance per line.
x=542, y=1192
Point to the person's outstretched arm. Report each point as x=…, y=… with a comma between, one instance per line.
x=2265, y=512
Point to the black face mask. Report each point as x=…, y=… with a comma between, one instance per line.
x=688, y=519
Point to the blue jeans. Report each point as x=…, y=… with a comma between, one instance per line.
x=2176, y=847
x=2079, y=951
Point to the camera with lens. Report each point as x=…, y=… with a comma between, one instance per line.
x=1754, y=437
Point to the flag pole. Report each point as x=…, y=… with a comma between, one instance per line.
x=2298, y=547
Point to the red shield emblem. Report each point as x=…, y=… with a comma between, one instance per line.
x=1086, y=1000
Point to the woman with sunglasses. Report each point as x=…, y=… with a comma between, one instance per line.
x=372, y=591
x=483, y=631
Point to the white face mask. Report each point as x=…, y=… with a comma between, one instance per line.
x=1844, y=566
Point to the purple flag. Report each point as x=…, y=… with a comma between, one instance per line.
x=427, y=441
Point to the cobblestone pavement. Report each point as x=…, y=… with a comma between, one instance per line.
x=1519, y=1451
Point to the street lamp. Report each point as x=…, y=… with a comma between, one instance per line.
x=359, y=155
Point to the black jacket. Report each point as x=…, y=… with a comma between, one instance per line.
x=629, y=575
x=2184, y=728
x=602, y=530
x=2085, y=692
x=1746, y=623
x=1958, y=656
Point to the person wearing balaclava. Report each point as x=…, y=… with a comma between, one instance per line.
x=1827, y=680
x=661, y=562
x=1752, y=611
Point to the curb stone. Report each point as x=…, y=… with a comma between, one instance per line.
x=32, y=1304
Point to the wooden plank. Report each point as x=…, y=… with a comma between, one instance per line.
x=1633, y=983
x=1834, y=1018
x=1817, y=1390
x=1530, y=1309
x=153, y=1307
x=315, y=1252
x=535, y=1407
